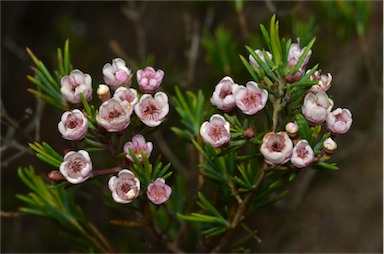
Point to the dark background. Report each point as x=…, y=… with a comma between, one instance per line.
x=324, y=212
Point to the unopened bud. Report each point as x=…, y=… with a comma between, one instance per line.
x=103, y=92
x=56, y=176
x=292, y=129
x=249, y=133
x=329, y=146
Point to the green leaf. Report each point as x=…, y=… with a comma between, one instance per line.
x=304, y=130
x=330, y=166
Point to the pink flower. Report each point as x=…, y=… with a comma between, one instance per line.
x=152, y=110
x=260, y=54
x=222, y=97
x=149, y=79
x=74, y=84
x=339, y=121
x=316, y=107
x=250, y=99
x=76, y=167
x=138, y=146
x=324, y=82
x=276, y=147
x=73, y=125
x=294, y=54
x=125, y=94
x=158, y=192
x=114, y=115
x=117, y=74
x=125, y=187
x=302, y=154
x=216, y=132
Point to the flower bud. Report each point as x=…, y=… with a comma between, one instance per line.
x=103, y=92
x=152, y=110
x=158, y=192
x=250, y=99
x=316, y=107
x=276, y=148
x=73, y=125
x=249, y=133
x=74, y=84
x=76, y=167
x=339, y=121
x=302, y=155
x=223, y=97
x=292, y=129
x=138, y=146
x=149, y=79
x=117, y=74
x=114, y=115
x=253, y=61
x=216, y=131
x=329, y=145
x=125, y=187
x=55, y=176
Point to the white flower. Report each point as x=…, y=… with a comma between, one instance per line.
x=125, y=187
x=152, y=110
x=76, y=167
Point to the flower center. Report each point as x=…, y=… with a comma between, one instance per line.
x=217, y=132
x=114, y=113
x=75, y=167
x=157, y=192
x=276, y=143
x=151, y=110
x=250, y=100
x=225, y=91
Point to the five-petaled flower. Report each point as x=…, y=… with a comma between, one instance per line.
x=114, y=115
x=223, y=97
x=73, y=125
x=339, y=121
x=125, y=94
x=152, y=110
x=316, y=107
x=139, y=147
x=117, y=74
x=324, y=82
x=302, y=155
x=250, y=99
x=125, y=187
x=276, y=147
x=158, y=192
x=216, y=131
x=149, y=79
x=76, y=167
x=74, y=84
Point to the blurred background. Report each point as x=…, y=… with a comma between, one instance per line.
x=197, y=43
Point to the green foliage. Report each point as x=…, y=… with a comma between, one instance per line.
x=48, y=87
x=221, y=49
x=191, y=110
x=59, y=206
x=47, y=154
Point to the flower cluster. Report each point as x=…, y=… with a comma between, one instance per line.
x=119, y=101
x=278, y=147
x=250, y=99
